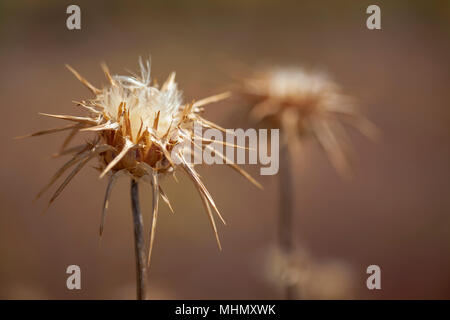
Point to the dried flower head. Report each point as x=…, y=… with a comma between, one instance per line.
x=138, y=126
x=311, y=278
x=302, y=104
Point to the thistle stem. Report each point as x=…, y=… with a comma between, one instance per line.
x=285, y=214
x=141, y=266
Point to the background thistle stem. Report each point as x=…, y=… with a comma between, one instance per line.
x=285, y=214
x=141, y=264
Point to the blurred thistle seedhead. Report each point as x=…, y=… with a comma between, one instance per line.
x=310, y=278
x=304, y=103
x=137, y=128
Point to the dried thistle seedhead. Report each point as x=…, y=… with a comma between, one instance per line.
x=302, y=104
x=139, y=122
x=311, y=278
x=137, y=125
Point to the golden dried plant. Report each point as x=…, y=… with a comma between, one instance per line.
x=303, y=104
x=311, y=278
x=137, y=128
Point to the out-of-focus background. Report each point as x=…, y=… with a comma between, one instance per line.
x=395, y=212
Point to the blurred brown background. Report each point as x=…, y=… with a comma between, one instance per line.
x=393, y=213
